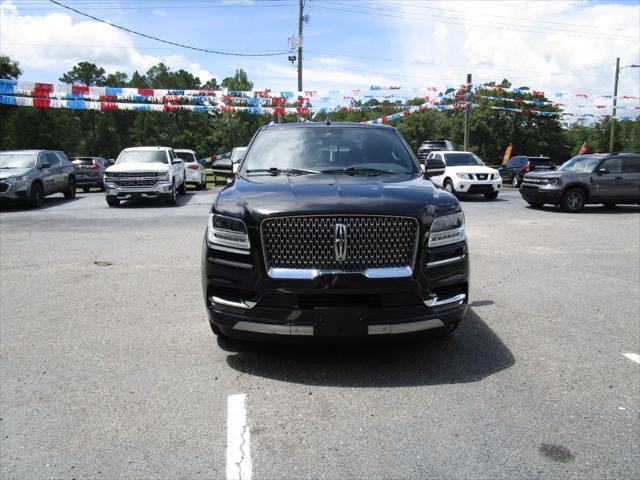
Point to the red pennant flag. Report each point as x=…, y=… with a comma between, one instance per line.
x=147, y=92
x=108, y=106
x=41, y=103
x=79, y=89
x=584, y=148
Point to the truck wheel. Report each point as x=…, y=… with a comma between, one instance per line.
x=70, y=192
x=573, y=200
x=515, y=181
x=174, y=196
x=448, y=186
x=182, y=189
x=36, y=198
x=491, y=196
x=204, y=182
x=112, y=201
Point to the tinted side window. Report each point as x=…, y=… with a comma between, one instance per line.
x=52, y=159
x=631, y=165
x=64, y=160
x=614, y=165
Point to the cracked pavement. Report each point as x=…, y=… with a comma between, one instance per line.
x=108, y=369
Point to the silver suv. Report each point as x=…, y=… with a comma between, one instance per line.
x=30, y=175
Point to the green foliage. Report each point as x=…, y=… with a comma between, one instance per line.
x=239, y=81
x=85, y=73
x=8, y=68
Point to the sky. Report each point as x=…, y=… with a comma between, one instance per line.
x=547, y=45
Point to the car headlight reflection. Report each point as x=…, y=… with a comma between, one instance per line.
x=447, y=229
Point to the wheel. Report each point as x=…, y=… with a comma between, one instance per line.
x=448, y=186
x=203, y=185
x=573, y=200
x=535, y=204
x=515, y=181
x=113, y=201
x=70, y=192
x=174, y=196
x=36, y=198
x=491, y=196
x=609, y=205
x=85, y=189
x=182, y=189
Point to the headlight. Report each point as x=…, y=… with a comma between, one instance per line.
x=466, y=176
x=16, y=179
x=447, y=229
x=553, y=181
x=163, y=175
x=227, y=232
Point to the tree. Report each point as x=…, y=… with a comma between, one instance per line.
x=84, y=73
x=116, y=79
x=211, y=85
x=9, y=69
x=238, y=82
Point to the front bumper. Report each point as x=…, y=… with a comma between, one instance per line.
x=476, y=186
x=83, y=180
x=244, y=302
x=12, y=191
x=536, y=194
x=160, y=189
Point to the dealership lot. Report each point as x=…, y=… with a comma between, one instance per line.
x=108, y=368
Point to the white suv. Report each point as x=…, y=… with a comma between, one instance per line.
x=466, y=173
x=194, y=170
x=145, y=172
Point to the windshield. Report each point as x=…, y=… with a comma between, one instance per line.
x=462, y=159
x=330, y=149
x=186, y=156
x=580, y=163
x=143, y=156
x=17, y=160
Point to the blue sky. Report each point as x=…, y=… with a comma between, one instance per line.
x=556, y=45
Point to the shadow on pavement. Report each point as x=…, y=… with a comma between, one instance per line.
x=155, y=202
x=591, y=209
x=470, y=354
x=49, y=202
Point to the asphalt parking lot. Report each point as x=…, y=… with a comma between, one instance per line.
x=108, y=368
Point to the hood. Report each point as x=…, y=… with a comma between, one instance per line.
x=472, y=169
x=14, y=172
x=254, y=197
x=553, y=174
x=139, y=167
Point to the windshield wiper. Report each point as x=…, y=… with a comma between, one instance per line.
x=359, y=170
x=277, y=171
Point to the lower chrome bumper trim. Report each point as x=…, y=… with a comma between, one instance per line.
x=244, y=304
x=446, y=261
x=310, y=274
x=395, y=328
x=273, y=329
x=435, y=302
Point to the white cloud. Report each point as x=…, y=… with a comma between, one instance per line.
x=159, y=13
x=54, y=41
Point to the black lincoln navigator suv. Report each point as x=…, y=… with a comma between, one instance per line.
x=333, y=230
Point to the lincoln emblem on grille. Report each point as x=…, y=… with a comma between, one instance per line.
x=340, y=241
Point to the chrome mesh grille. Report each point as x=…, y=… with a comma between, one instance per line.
x=309, y=243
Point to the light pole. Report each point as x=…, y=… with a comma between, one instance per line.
x=615, y=101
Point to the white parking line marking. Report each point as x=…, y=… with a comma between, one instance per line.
x=238, y=453
x=634, y=357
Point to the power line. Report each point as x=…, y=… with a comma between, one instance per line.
x=189, y=47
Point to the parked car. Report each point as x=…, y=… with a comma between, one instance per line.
x=466, y=173
x=89, y=172
x=30, y=175
x=516, y=168
x=194, y=170
x=607, y=178
x=145, y=172
x=359, y=243
x=429, y=146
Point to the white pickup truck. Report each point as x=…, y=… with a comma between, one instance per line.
x=145, y=172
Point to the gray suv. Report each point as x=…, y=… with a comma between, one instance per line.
x=29, y=175
x=607, y=178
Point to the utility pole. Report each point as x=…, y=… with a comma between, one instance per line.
x=467, y=113
x=615, y=103
x=300, y=21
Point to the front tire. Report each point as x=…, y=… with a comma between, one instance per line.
x=491, y=196
x=70, y=191
x=36, y=198
x=174, y=196
x=112, y=201
x=573, y=200
x=182, y=189
x=448, y=186
x=515, y=181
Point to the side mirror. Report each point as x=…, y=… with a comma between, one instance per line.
x=602, y=171
x=45, y=166
x=434, y=167
x=175, y=161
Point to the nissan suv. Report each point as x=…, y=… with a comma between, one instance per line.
x=27, y=176
x=607, y=178
x=332, y=230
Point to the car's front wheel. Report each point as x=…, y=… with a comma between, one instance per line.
x=70, y=191
x=36, y=197
x=112, y=201
x=173, y=199
x=203, y=185
x=573, y=200
x=491, y=196
x=515, y=181
x=182, y=189
x=448, y=186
